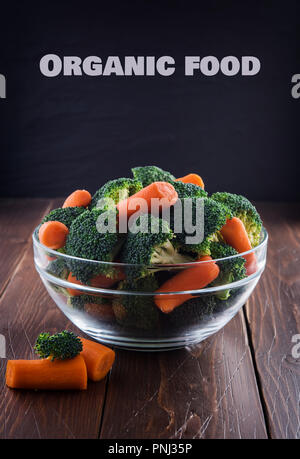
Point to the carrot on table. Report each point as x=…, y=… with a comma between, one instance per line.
x=98, y=359
x=156, y=190
x=53, y=234
x=193, y=278
x=235, y=234
x=79, y=198
x=191, y=178
x=47, y=374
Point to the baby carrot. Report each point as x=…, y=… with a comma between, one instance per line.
x=98, y=359
x=53, y=234
x=74, y=280
x=47, y=374
x=193, y=278
x=79, y=198
x=192, y=178
x=100, y=311
x=102, y=281
x=235, y=234
x=156, y=190
x=98, y=281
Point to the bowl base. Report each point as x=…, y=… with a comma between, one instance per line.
x=144, y=345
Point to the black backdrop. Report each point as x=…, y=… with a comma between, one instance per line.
x=240, y=133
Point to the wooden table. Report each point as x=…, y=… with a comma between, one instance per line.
x=242, y=382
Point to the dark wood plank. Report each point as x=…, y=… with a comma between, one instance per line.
x=274, y=317
x=26, y=309
x=18, y=217
x=208, y=391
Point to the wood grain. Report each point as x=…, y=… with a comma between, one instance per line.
x=274, y=317
x=208, y=391
x=213, y=390
x=17, y=219
x=26, y=309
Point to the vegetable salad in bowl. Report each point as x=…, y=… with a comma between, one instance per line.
x=151, y=261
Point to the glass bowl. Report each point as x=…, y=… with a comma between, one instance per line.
x=130, y=319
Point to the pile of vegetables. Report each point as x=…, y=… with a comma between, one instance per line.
x=232, y=225
x=66, y=362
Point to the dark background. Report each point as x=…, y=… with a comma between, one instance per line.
x=241, y=134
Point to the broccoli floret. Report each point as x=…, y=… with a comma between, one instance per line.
x=117, y=190
x=231, y=270
x=102, y=312
x=85, y=241
x=137, y=311
x=150, y=174
x=78, y=301
x=193, y=311
x=215, y=215
x=59, y=289
x=63, y=345
x=97, y=307
x=189, y=190
x=146, y=248
x=242, y=208
x=64, y=215
x=58, y=268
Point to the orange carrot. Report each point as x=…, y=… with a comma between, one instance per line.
x=100, y=311
x=99, y=281
x=74, y=280
x=53, y=234
x=79, y=198
x=98, y=359
x=45, y=374
x=193, y=278
x=192, y=178
x=49, y=258
x=235, y=234
x=158, y=190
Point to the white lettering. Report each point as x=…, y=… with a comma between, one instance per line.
x=48, y=61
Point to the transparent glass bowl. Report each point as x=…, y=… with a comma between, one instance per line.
x=130, y=319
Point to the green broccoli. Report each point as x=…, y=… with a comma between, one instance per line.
x=58, y=268
x=146, y=247
x=64, y=215
x=215, y=215
x=117, y=190
x=61, y=346
x=188, y=190
x=150, y=174
x=243, y=209
x=231, y=270
x=193, y=311
x=85, y=241
x=79, y=301
x=137, y=311
x=96, y=307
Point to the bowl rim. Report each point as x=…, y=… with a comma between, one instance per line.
x=105, y=291
x=45, y=275
x=36, y=242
